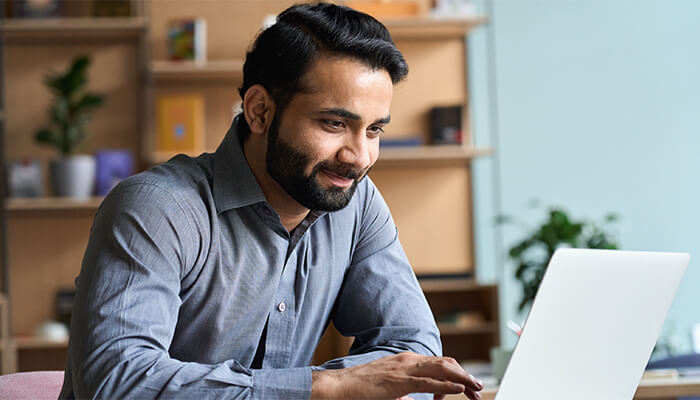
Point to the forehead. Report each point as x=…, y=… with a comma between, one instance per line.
x=336, y=81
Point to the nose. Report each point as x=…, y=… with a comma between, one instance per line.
x=356, y=151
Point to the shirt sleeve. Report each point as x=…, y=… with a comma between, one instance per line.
x=126, y=310
x=381, y=303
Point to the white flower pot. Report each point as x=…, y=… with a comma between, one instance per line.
x=73, y=176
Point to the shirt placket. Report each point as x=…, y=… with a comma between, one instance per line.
x=282, y=319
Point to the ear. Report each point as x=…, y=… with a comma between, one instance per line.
x=258, y=109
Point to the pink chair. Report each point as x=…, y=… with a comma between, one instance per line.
x=31, y=385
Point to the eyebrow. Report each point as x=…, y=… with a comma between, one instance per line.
x=343, y=113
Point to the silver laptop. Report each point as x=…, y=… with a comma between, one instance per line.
x=593, y=325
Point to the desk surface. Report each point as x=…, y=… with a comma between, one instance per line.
x=657, y=389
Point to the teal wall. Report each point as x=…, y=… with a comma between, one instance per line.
x=593, y=106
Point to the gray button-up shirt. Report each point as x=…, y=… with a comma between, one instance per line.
x=187, y=262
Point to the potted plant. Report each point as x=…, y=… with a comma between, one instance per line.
x=71, y=175
x=532, y=253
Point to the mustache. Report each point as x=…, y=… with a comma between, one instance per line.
x=342, y=170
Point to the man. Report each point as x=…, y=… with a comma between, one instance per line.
x=215, y=276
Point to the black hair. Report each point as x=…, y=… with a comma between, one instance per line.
x=283, y=53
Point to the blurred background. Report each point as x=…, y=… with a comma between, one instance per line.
x=523, y=126
x=592, y=107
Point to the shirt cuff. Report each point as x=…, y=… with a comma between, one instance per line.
x=288, y=383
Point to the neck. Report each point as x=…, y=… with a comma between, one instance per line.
x=290, y=211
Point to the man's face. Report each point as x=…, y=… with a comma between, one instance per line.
x=327, y=138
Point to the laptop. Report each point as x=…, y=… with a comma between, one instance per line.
x=593, y=325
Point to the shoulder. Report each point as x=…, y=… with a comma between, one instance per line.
x=368, y=200
x=181, y=176
x=367, y=210
x=177, y=187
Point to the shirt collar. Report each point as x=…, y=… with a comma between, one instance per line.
x=234, y=184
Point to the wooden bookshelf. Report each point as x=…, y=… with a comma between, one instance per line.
x=33, y=342
x=447, y=296
x=428, y=155
x=190, y=71
x=427, y=28
x=67, y=28
x=435, y=285
x=52, y=204
x=449, y=329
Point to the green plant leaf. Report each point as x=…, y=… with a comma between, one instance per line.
x=70, y=109
x=76, y=75
x=521, y=270
x=517, y=250
x=60, y=113
x=556, y=231
x=72, y=139
x=558, y=217
x=46, y=136
x=89, y=100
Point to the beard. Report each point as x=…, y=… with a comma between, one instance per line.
x=286, y=165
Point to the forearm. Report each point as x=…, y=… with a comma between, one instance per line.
x=328, y=382
x=152, y=374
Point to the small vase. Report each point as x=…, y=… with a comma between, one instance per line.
x=73, y=176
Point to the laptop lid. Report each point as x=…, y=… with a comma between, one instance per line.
x=592, y=325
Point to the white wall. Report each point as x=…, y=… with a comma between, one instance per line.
x=593, y=106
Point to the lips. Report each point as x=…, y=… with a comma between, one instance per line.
x=336, y=179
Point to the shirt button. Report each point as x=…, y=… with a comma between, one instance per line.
x=281, y=307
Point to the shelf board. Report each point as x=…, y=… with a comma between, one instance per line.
x=33, y=342
x=429, y=155
x=429, y=28
x=450, y=330
x=52, y=204
x=451, y=285
x=72, y=28
x=191, y=71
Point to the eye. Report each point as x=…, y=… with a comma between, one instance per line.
x=334, y=124
x=374, y=131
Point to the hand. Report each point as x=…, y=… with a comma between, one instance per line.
x=396, y=376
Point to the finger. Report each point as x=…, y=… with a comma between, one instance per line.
x=439, y=397
x=447, y=368
x=430, y=385
x=472, y=395
x=476, y=383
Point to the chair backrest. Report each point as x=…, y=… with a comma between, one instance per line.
x=31, y=385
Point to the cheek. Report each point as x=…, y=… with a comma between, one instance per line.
x=373, y=152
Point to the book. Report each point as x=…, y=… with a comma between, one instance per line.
x=112, y=167
x=180, y=123
x=187, y=39
x=401, y=142
x=446, y=125
x=35, y=8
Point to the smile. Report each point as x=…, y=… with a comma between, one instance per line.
x=337, y=180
